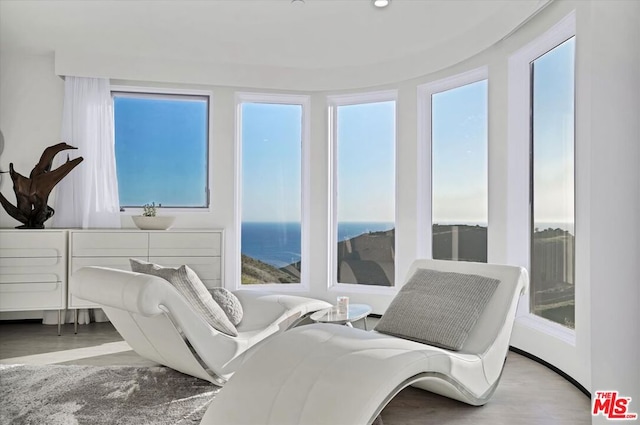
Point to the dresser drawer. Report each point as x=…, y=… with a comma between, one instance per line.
x=27, y=278
x=185, y=244
x=120, y=263
x=109, y=244
x=28, y=263
x=33, y=270
x=32, y=294
x=27, y=243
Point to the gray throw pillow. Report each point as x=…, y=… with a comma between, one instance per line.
x=438, y=308
x=191, y=287
x=229, y=302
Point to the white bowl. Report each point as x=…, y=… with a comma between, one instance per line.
x=160, y=222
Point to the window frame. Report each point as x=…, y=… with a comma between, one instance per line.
x=519, y=131
x=532, y=176
x=425, y=151
x=333, y=102
x=172, y=93
x=305, y=208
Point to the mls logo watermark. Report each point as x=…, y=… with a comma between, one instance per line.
x=612, y=406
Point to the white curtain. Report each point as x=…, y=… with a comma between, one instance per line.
x=88, y=196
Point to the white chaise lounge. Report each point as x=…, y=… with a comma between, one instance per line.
x=330, y=374
x=159, y=323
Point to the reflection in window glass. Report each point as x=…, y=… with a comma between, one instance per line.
x=365, y=185
x=161, y=147
x=459, y=167
x=552, y=252
x=271, y=193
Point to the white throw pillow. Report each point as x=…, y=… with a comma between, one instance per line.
x=191, y=287
x=229, y=302
x=438, y=308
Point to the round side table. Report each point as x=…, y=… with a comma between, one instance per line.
x=331, y=315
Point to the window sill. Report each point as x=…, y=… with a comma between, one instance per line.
x=167, y=211
x=547, y=327
x=275, y=287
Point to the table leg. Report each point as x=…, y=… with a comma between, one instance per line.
x=59, y=322
x=365, y=324
x=75, y=321
x=349, y=324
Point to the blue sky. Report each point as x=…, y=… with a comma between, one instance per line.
x=553, y=135
x=366, y=162
x=459, y=152
x=271, y=149
x=160, y=138
x=157, y=138
x=271, y=162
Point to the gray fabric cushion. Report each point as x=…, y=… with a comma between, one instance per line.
x=191, y=287
x=438, y=308
x=229, y=302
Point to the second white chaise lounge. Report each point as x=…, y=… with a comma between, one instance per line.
x=330, y=374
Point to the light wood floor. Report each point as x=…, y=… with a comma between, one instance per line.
x=528, y=394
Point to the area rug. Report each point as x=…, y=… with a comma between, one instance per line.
x=68, y=395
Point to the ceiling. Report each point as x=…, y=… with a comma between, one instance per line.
x=303, y=35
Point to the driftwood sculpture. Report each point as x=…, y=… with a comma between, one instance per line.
x=32, y=193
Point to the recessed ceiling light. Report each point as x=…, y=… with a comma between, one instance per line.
x=381, y=3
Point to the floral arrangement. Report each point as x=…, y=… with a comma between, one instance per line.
x=150, y=210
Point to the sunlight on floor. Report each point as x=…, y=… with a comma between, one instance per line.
x=70, y=355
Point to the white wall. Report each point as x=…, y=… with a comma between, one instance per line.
x=614, y=165
x=30, y=120
x=462, y=42
x=30, y=116
x=608, y=192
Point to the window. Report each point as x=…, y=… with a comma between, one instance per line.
x=162, y=149
x=529, y=205
x=459, y=167
x=552, y=185
x=454, y=120
x=272, y=130
x=364, y=189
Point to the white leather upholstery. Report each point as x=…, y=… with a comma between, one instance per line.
x=328, y=374
x=159, y=324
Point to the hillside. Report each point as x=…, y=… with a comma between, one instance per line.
x=255, y=271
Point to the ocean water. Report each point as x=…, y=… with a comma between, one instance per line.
x=279, y=244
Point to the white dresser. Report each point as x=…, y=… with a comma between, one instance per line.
x=33, y=270
x=199, y=249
